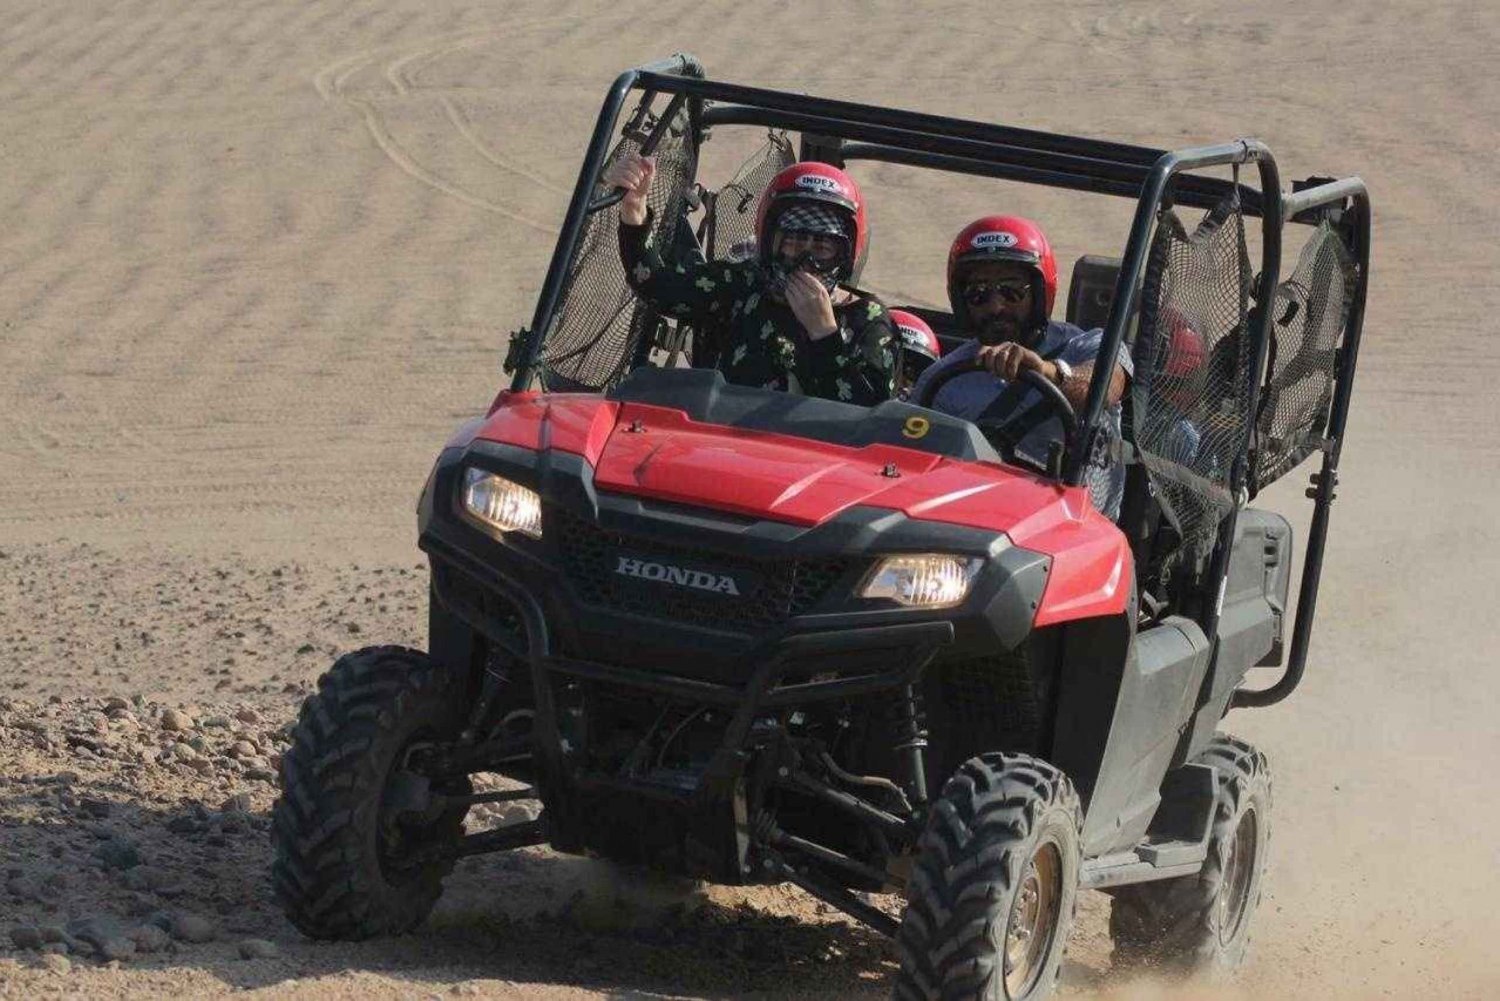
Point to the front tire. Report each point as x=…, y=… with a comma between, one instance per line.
x=991, y=898
x=1199, y=925
x=347, y=864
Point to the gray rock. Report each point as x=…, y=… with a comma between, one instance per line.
x=56, y=962
x=118, y=853
x=96, y=807
x=26, y=938
x=192, y=928
x=240, y=802
x=150, y=938
x=258, y=948
x=115, y=702
x=176, y=721
x=260, y=774
x=117, y=948
x=90, y=934
x=159, y=919
x=24, y=887
x=184, y=823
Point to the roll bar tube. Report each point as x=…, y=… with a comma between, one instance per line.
x=1137, y=248
x=578, y=206
x=1325, y=481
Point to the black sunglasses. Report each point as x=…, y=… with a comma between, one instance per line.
x=1012, y=293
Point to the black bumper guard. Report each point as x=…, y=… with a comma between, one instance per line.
x=770, y=663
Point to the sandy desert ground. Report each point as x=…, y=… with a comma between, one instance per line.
x=257, y=257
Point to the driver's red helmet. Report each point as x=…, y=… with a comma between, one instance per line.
x=1005, y=238
x=917, y=340
x=824, y=184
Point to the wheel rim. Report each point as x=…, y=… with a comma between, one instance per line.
x=1239, y=868
x=1032, y=923
x=401, y=836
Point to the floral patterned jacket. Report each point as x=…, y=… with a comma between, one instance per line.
x=765, y=345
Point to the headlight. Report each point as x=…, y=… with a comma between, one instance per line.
x=926, y=581
x=500, y=504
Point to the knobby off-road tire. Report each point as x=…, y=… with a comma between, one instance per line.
x=338, y=871
x=1199, y=925
x=991, y=897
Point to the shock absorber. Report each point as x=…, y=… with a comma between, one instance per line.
x=911, y=742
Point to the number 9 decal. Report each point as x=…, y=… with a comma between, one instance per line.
x=916, y=427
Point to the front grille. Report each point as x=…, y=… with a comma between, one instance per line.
x=777, y=589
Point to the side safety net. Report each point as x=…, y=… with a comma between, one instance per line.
x=600, y=322
x=1194, y=361
x=1309, y=315
x=729, y=230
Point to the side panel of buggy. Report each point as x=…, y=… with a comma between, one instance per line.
x=1275, y=363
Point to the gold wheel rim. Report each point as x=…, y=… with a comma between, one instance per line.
x=1032, y=922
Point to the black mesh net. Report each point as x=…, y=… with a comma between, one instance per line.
x=600, y=321
x=730, y=232
x=1309, y=314
x=1194, y=368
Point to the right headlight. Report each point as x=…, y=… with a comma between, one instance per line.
x=927, y=580
x=500, y=504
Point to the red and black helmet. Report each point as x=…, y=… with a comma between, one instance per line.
x=1005, y=238
x=819, y=183
x=917, y=340
x=1182, y=369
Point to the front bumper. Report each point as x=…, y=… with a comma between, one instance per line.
x=540, y=604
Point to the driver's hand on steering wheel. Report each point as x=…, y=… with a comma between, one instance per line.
x=1009, y=360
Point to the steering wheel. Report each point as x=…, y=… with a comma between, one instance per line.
x=1001, y=430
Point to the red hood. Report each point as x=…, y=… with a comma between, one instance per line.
x=761, y=474
x=649, y=451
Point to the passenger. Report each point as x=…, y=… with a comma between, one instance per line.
x=919, y=348
x=1180, y=382
x=1002, y=281
x=790, y=322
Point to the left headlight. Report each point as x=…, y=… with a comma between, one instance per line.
x=929, y=580
x=500, y=504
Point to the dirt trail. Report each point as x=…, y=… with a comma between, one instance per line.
x=259, y=258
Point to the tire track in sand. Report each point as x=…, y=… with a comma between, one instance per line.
x=333, y=84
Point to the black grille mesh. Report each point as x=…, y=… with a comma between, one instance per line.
x=784, y=588
x=1194, y=367
x=600, y=321
x=1309, y=316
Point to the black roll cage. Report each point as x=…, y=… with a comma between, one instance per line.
x=1156, y=178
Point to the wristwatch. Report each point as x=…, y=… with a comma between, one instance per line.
x=1064, y=370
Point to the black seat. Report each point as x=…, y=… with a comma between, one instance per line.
x=1092, y=290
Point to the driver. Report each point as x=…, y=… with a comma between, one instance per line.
x=791, y=322
x=1002, y=280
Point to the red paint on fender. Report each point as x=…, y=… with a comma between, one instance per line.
x=567, y=422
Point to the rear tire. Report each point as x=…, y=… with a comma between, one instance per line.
x=344, y=861
x=991, y=897
x=1199, y=925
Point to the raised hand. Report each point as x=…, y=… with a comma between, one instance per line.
x=632, y=172
x=811, y=304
